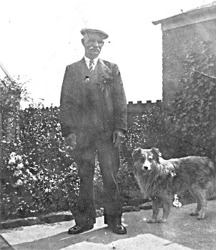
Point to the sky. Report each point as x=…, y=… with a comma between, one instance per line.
x=40, y=37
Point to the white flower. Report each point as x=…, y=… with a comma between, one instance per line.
x=17, y=173
x=18, y=158
x=12, y=161
x=12, y=155
x=19, y=183
x=34, y=177
x=47, y=190
x=20, y=165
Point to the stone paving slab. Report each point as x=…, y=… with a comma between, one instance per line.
x=4, y=244
x=146, y=241
x=180, y=232
x=55, y=237
x=61, y=216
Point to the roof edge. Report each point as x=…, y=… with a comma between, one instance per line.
x=198, y=10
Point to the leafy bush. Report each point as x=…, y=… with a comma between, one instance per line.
x=195, y=116
x=38, y=175
x=193, y=109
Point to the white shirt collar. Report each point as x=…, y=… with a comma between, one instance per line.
x=87, y=60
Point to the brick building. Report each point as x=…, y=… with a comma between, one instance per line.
x=182, y=34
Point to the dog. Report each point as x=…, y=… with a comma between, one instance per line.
x=160, y=179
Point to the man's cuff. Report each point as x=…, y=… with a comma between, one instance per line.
x=66, y=131
x=121, y=130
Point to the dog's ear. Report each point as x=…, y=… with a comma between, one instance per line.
x=156, y=152
x=136, y=153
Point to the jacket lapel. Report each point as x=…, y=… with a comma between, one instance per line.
x=103, y=70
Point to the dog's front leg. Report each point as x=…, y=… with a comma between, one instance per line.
x=166, y=203
x=155, y=207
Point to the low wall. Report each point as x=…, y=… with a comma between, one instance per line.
x=139, y=108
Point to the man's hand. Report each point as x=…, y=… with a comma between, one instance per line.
x=70, y=141
x=118, y=135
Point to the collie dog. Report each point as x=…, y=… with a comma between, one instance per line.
x=160, y=179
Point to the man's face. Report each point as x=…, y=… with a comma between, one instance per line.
x=93, y=44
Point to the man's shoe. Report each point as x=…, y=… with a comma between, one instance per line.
x=118, y=229
x=77, y=229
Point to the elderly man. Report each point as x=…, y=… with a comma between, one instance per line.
x=93, y=114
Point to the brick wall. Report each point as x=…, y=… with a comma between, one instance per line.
x=138, y=108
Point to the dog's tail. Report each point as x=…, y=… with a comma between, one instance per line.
x=212, y=186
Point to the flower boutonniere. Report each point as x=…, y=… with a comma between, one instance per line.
x=105, y=81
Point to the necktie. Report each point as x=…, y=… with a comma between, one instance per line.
x=91, y=65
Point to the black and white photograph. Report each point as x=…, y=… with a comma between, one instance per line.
x=108, y=125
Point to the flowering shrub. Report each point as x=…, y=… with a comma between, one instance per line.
x=38, y=175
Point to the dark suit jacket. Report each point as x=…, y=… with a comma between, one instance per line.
x=92, y=101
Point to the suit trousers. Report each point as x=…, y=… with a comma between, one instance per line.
x=88, y=145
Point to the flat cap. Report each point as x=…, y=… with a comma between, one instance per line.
x=94, y=31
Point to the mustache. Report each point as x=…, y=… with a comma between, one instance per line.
x=93, y=48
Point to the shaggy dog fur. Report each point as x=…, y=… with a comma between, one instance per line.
x=160, y=179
